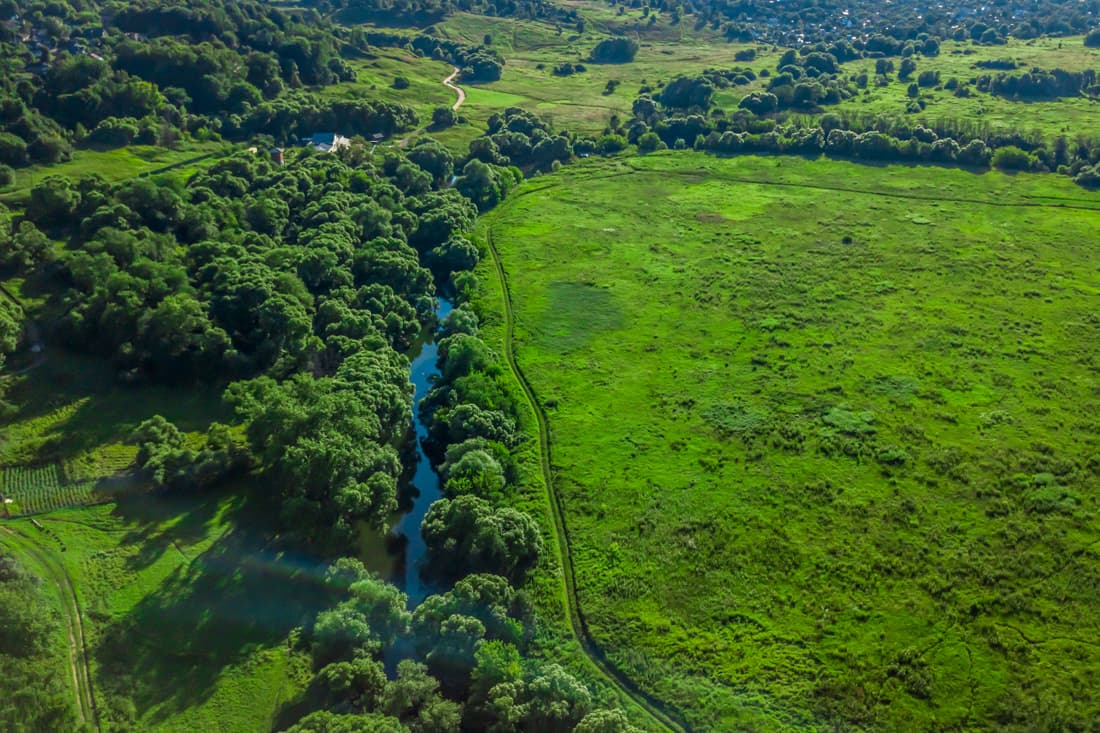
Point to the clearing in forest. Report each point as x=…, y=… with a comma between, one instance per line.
x=825, y=434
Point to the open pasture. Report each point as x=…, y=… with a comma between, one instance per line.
x=825, y=434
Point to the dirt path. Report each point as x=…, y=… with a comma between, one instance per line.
x=461, y=93
x=78, y=659
x=660, y=714
x=449, y=83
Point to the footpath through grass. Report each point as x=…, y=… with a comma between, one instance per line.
x=826, y=456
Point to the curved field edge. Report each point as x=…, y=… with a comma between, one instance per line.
x=654, y=709
x=43, y=560
x=917, y=669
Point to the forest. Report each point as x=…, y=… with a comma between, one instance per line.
x=531, y=366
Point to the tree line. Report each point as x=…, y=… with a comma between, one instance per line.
x=792, y=23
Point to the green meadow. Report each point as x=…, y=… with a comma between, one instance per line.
x=186, y=602
x=584, y=103
x=825, y=434
x=1069, y=116
x=116, y=165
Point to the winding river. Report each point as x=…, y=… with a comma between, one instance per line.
x=399, y=556
x=424, y=486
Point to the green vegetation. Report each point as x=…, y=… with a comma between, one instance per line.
x=116, y=165
x=704, y=443
x=42, y=488
x=32, y=643
x=822, y=432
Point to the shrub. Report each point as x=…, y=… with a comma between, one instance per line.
x=611, y=144
x=400, y=82
x=1011, y=158
x=444, y=117
x=618, y=50
x=649, y=142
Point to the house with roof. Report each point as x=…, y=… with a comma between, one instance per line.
x=327, y=142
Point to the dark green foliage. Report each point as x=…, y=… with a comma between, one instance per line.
x=443, y=117
x=323, y=721
x=171, y=464
x=687, y=92
x=36, y=698
x=326, y=441
x=617, y=50
x=1040, y=84
x=486, y=185
x=370, y=618
x=432, y=158
x=406, y=12
x=11, y=328
x=1011, y=158
x=414, y=699
x=181, y=71
x=467, y=533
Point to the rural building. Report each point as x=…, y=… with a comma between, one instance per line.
x=328, y=142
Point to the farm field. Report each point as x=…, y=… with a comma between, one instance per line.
x=824, y=433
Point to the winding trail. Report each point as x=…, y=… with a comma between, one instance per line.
x=660, y=714
x=78, y=657
x=449, y=83
x=461, y=92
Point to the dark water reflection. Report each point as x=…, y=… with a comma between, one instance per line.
x=399, y=555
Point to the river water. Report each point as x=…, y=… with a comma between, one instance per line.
x=424, y=488
x=399, y=556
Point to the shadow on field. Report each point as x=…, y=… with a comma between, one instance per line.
x=144, y=513
x=96, y=410
x=243, y=594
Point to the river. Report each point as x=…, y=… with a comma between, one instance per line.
x=399, y=556
x=425, y=487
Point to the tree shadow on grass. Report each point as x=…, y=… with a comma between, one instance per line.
x=158, y=520
x=107, y=411
x=243, y=595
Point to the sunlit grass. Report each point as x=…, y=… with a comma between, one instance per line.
x=825, y=455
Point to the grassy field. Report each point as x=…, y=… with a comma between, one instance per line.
x=114, y=165
x=1066, y=116
x=186, y=601
x=374, y=79
x=825, y=433
x=578, y=102
x=582, y=102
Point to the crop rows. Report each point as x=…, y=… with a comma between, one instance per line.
x=37, y=489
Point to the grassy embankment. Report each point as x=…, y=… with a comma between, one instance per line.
x=824, y=455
